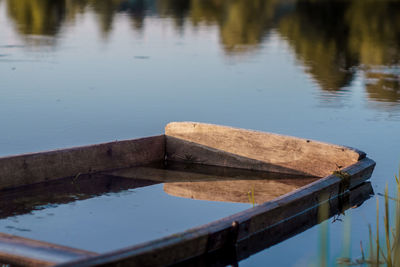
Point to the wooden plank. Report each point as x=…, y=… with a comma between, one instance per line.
x=189, y=152
x=38, y=167
x=21, y=251
x=291, y=153
x=230, y=230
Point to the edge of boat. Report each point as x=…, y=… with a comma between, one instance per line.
x=341, y=170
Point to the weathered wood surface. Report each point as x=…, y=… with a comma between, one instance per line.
x=38, y=167
x=189, y=152
x=286, y=153
x=20, y=251
x=233, y=229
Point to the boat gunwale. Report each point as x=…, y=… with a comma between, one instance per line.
x=228, y=230
x=75, y=148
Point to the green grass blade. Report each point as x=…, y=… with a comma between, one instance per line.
x=377, y=232
x=371, y=245
x=387, y=230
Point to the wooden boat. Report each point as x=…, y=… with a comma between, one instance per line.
x=314, y=174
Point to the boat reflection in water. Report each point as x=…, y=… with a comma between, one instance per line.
x=193, y=181
x=202, y=182
x=234, y=186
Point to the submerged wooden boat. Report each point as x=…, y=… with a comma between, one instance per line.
x=314, y=173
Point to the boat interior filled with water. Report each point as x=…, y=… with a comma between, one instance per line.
x=288, y=184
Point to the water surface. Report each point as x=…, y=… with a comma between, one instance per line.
x=77, y=72
x=111, y=210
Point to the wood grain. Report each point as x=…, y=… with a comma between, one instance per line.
x=38, y=167
x=291, y=153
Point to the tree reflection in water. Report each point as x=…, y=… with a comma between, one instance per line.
x=37, y=17
x=383, y=86
x=333, y=39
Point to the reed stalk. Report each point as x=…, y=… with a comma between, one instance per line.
x=387, y=231
x=389, y=254
x=250, y=194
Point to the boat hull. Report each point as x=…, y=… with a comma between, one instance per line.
x=337, y=172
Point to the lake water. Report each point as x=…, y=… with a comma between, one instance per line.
x=75, y=72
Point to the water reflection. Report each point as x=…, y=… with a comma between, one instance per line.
x=284, y=230
x=37, y=17
x=21, y=207
x=176, y=9
x=235, y=191
x=383, y=86
x=46, y=17
x=243, y=24
x=318, y=33
x=213, y=183
x=229, y=185
x=333, y=39
x=180, y=180
x=24, y=200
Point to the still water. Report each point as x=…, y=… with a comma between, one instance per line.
x=77, y=72
x=134, y=205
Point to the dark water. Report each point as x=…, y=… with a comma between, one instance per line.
x=108, y=211
x=81, y=72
